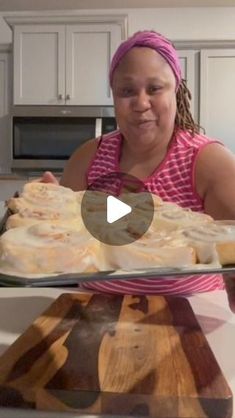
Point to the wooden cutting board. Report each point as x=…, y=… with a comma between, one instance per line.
x=109, y=354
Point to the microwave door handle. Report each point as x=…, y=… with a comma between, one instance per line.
x=98, y=127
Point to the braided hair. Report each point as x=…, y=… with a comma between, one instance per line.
x=184, y=119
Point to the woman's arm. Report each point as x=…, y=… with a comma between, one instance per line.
x=215, y=181
x=74, y=175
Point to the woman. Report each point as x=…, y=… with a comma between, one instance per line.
x=159, y=143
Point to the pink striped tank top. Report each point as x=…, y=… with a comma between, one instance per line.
x=173, y=181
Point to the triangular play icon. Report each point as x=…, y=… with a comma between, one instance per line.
x=116, y=209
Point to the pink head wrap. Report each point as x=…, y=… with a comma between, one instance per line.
x=149, y=39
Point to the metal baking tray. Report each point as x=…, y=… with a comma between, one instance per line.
x=69, y=279
x=3, y=221
x=78, y=278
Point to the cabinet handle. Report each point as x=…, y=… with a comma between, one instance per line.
x=67, y=97
x=60, y=97
x=98, y=127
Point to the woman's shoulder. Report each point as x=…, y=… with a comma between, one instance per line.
x=75, y=168
x=187, y=139
x=110, y=137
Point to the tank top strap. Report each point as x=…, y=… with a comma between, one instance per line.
x=106, y=159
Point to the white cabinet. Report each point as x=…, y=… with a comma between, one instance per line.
x=89, y=49
x=5, y=79
x=217, y=95
x=57, y=64
x=210, y=76
x=39, y=64
x=188, y=61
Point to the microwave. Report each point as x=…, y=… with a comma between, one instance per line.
x=43, y=137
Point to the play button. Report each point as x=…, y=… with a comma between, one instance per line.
x=117, y=209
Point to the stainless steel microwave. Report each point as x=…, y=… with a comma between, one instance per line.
x=44, y=137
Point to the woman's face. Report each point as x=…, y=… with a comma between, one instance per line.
x=144, y=97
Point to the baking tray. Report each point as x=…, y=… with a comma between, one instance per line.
x=6, y=215
x=78, y=278
x=69, y=279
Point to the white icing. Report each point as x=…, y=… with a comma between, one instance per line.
x=211, y=232
x=59, y=242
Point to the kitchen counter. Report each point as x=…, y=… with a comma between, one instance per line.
x=12, y=183
x=19, y=307
x=2, y=209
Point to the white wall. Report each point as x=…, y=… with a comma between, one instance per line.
x=192, y=23
x=186, y=23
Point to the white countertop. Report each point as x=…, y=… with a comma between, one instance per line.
x=19, y=307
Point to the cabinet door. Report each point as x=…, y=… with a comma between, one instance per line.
x=39, y=64
x=89, y=49
x=189, y=60
x=217, y=98
x=5, y=144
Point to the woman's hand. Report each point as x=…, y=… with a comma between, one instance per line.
x=229, y=281
x=47, y=177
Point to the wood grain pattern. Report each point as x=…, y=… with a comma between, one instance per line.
x=109, y=354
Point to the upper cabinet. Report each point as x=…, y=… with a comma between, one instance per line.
x=187, y=60
x=217, y=98
x=5, y=89
x=39, y=64
x=209, y=73
x=65, y=64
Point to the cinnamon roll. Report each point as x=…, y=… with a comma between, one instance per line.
x=45, y=201
x=160, y=250
x=214, y=237
x=170, y=216
x=45, y=248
